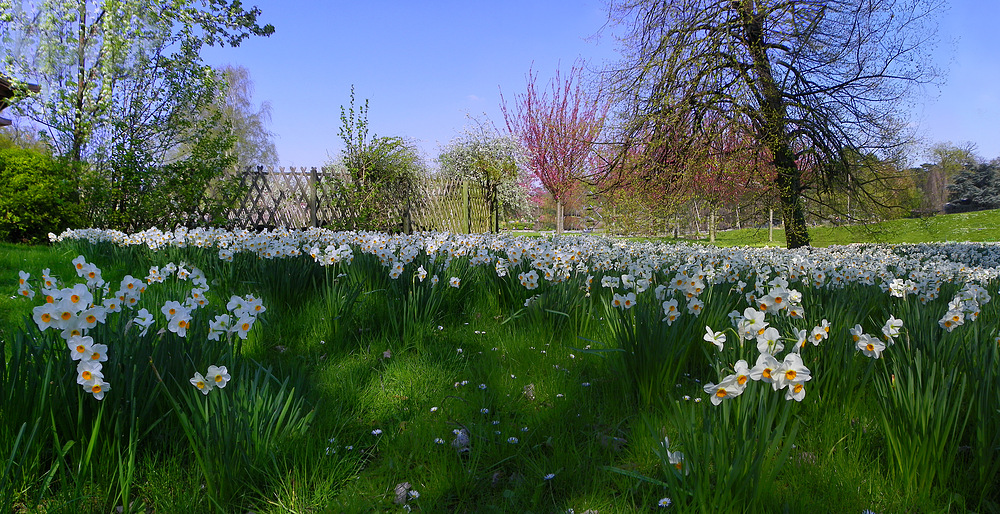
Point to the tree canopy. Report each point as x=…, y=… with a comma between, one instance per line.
x=97, y=60
x=813, y=81
x=493, y=161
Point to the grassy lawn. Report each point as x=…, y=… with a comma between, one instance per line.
x=982, y=226
x=358, y=392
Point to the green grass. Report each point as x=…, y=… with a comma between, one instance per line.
x=531, y=396
x=982, y=226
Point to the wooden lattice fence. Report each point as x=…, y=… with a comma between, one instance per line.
x=296, y=197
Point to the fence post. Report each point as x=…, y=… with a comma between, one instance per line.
x=467, y=207
x=407, y=223
x=313, y=197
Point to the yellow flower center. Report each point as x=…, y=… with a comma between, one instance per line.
x=218, y=378
x=790, y=374
x=871, y=347
x=766, y=373
x=742, y=379
x=200, y=384
x=721, y=393
x=797, y=388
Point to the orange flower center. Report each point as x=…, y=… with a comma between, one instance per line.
x=790, y=374
x=96, y=388
x=46, y=317
x=86, y=375
x=66, y=315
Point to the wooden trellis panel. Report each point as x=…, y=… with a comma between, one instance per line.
x=300, y=197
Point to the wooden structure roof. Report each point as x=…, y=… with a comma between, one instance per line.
x=7, y=91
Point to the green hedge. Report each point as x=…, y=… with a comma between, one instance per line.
x=37, y=196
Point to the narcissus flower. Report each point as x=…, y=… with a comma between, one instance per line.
x=203, y=385
x=764, y=369
x=870, y=346
x=80, y=347
x=98, y=353
x=219, y=376
x=180, y=324
x=87, y=370
x=716, y=338
x=891, y=328
x=144, y=319
x=97, y=387
x=729, y=387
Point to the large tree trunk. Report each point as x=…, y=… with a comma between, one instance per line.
x=774, y=131
x=789, y=192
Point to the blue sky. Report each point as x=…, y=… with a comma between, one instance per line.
x=426, y=67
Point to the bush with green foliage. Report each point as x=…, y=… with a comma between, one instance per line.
x=37, y=196
x=379, y=177
x=132, y=191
